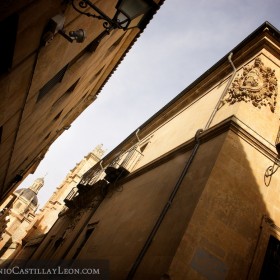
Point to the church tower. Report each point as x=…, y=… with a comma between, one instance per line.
x=24, y=225
x=47, y=216
x=17, y=217
x=37, y=185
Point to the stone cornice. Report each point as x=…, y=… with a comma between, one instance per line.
x=232, y=124
x=255, y=140
x=265, y=37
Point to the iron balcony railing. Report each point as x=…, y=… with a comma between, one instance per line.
x=72, y=194
x=127, y=159
x=94, y=174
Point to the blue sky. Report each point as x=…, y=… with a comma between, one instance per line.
x=184, y=39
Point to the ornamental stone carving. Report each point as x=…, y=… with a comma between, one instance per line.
x=257, y=84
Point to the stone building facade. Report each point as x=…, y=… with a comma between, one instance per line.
x=193, y=193
x=48, y=215
x=21, y=224
x=18, y=217
x=45, y=80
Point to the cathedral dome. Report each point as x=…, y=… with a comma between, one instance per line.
x=29, y=195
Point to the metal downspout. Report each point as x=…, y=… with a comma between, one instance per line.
x=101, y=166
x=137, y=136
x=178, y=183
x=165, y=209
x=256, y=245
x=223, y=94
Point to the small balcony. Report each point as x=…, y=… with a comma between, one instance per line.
x=114, y=174
x=94, y=174
x=127, y=159
x=69, y=198
x=120, y=167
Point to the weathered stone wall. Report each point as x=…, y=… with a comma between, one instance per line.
x=222, y=236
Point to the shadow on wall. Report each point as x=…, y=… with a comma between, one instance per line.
x=218, y=225
x=229, y=231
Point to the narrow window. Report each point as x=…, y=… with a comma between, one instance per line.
x=47, y=136
x=48, y=249
x=58, y=242
x=64, y=96
x=52, y=246
x=8, y=29
x=142, y=148
x=91, y=48
x=117, y=42
x=51, y=83
x=96, y=75
x=271, y=264
x=1, y=132
x=91, y=228
x=57, y=116
x=79, y=57
x=68, y=114
x=71, y=89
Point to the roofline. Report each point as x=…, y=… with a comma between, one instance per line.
x=224, y=59
x=273, y=31
x=144, y=22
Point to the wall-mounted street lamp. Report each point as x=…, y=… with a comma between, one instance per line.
x=56, y=25
x=126, y=12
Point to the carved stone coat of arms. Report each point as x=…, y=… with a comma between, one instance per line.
x=257, y=84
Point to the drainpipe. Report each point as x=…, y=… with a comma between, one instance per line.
x=223, y=94
x=176, y=187
x=100, y=163
x=136, y=133
x=165, y=209
x=257, y=245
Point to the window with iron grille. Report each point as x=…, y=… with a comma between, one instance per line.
x=51, y=83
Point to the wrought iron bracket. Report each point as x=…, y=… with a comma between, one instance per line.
x=270, y=171
x=108, y=23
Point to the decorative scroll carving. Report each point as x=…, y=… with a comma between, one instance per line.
x=257, y=84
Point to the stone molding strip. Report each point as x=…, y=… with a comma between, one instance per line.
x=230, y=124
